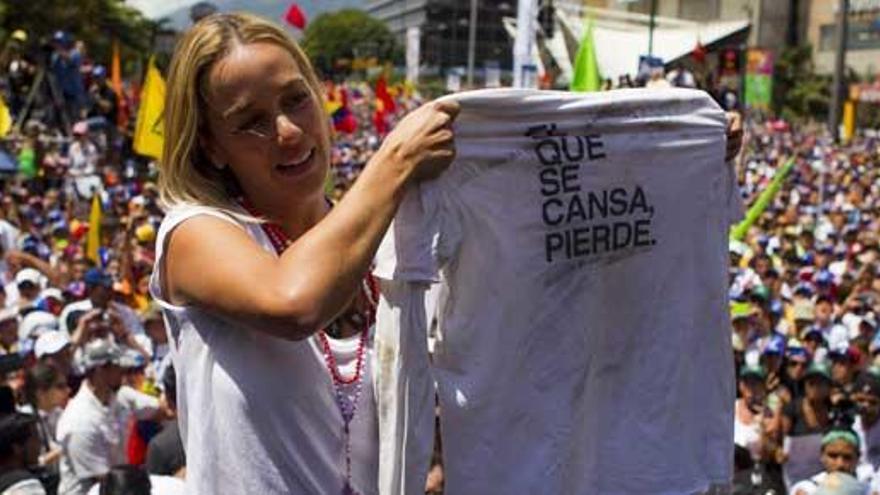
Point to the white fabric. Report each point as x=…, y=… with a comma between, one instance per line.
x=25, y=487
x=134, y=402
x=91, y=438
x=159, y=485
x=605, y=373
x=257, y=414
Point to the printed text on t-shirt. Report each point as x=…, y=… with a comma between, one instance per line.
x=585, y=223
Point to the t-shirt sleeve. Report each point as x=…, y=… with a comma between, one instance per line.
x=143, y=406
x=422, y=237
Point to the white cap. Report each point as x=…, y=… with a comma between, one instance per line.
x=36, y=323
x=52, y=292
x=50, y=343
x=28, y=275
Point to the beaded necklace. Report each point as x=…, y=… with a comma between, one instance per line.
x=347, y=408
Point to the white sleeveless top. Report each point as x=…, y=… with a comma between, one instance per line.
x=257, y=413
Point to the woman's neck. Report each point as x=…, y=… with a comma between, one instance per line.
x=294, y=219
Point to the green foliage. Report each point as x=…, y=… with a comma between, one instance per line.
x=334, y=40
x=96, y=22
x=798, y=92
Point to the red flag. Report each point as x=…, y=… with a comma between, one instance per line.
x=295, y=17
x=383, y=95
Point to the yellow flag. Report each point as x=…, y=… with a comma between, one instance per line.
x=93, y=242
x=149, y=131
x=849, y=120
x=5, y=118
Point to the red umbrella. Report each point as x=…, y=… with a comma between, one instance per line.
x=295, y=17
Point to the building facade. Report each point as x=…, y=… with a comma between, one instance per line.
x=863, y=40
x=444, y=27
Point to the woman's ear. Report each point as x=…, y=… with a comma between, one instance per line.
x=211, y=152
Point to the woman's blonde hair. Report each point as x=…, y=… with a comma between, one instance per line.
x=186, y=174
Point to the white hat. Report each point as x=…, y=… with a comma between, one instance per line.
x=28, y=275
x=53, y=293
x=36, y=323
x=99, y=352
x=50, y=343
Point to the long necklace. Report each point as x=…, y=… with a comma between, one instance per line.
x=347, y=408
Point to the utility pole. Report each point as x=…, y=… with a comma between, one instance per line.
x=651, y=28
x=472, y=44
x=837, y=88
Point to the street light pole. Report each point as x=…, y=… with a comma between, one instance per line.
x=472, y=44
x=651, y=28
x=839, y=67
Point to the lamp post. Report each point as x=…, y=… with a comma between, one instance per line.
x=472, y=42
x=839, y=67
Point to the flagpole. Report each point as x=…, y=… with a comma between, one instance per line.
x=472, y=42
x=651, y=28
x=522, y=46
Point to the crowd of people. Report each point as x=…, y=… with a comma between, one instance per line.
x=804, y=298
x=88, y=396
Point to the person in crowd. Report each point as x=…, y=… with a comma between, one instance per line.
x=840, y=454
x=19, y=451
x=165, y=455
x=46, y=393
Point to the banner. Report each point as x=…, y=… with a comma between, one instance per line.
x=759, y=78
x=149, y=131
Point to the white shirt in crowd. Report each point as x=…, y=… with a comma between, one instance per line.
x=159, y=485
x=92, y=434
x=257, y=414
x=583, y=342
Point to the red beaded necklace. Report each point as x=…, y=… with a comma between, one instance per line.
x=280, y=241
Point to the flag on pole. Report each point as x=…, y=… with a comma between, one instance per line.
x=739, y=231
x=149, y=131
x=116, y=83
x=586, y=69
x=295, y=17
x=5, y=118
x=93, y=241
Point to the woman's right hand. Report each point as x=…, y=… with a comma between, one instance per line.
x=423, y=142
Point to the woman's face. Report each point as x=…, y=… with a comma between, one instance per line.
x=266, y=125
x=817, y=388
x=58, y=394
x=840, y=456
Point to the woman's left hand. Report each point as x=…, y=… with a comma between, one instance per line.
x=734, y=135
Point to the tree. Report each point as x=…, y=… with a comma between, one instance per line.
x=800, y=93
x=96, y=22
x=334, y=40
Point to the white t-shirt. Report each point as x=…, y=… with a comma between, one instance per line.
x=583, y=343
x=91, y=435
x=159, y=485
x=257, y=413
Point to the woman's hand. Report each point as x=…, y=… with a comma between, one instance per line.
x=734, y=135
x=422, y=143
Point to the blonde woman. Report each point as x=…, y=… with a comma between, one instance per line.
x=264, y=287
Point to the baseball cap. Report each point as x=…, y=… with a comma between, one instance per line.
x=20, y=35
x=96, y=276
x=28, y=275
x=803, y=310
x=818, y=369
x=795, y=350
x=50, y=342
x=36, y=323
x=739, y=310
x=775, y=346
x=130, y=358
x=99, y=352
x=81, y=128
x=752, y=371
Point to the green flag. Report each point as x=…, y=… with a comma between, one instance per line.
x=586, y=70
x=739, y=231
